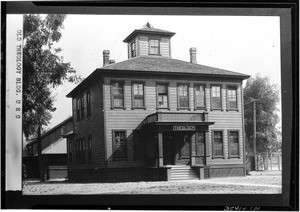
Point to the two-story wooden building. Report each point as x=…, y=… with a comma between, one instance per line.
x=152, y=117
x=54, y=152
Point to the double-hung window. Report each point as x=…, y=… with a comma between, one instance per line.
x=138, y=98
x=117, y=94
x=200, y=143
x=162, y=96
x=231, y=98
x=80, y=108
x=133, y=50
x=199, y=92
x=119, y=145
x=89, y=147
x=88, y=103
x=218, y=144
x=70, y=153
x=233, y=140
x=154, y=46
x=183, y=96
x=216, y=101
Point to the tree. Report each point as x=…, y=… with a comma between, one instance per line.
x=44, y=69
x=266, y=114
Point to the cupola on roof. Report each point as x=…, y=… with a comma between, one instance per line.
x=148, y=29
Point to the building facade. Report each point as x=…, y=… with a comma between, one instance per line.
x=54, y=152
x=152, y=117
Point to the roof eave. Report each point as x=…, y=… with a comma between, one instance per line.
x=129, y=37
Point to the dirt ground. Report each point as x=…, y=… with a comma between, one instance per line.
x=266, y=182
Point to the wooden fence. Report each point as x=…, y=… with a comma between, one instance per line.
x=270, y=161
x=266, y=161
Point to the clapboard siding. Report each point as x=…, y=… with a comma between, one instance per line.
x=143, y=45
x=92, y=125
x=129, y=118
x=165, y=47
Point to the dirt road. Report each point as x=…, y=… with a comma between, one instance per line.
x=256, y=183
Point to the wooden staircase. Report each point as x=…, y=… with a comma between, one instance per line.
x=183, y=173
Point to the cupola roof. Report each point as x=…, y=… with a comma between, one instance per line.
x=148, y=29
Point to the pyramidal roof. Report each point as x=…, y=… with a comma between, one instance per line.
x=148, y=29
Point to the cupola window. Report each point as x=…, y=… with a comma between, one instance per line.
x=133, y=49
x=154, y=46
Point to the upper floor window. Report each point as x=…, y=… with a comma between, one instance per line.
x=80, y=108
x=119, y=145
x=138, y=100
x=88, y=103
x=183, y=96
x=233, y=140
x=217, y=144
x=154, y=46
x=133, y=50
x=117, y=94
x=162, y=96
x=216, y=102
x=231, y=97
x=199, y=91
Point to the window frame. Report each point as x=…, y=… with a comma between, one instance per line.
x=114, y=145
x=236, y=97
x=90, y=149
x=204, y=144
x=122, y=82
x=149, y=44
x=78, y=109
x=229, y=142
x=70, y=152
x=82, y=107
x=88, y=104
x=213, y=144
x=195, y=97
x=211, y=97
x=132, y=51
x=133, y=96
x=188, y=96
x=157, y=95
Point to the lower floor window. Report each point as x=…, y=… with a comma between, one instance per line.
x=119, y=145
x=233, y=139
x=200, y=143
x=70, y=152
x=89, y=147
x=80, y=156
x=218, y=144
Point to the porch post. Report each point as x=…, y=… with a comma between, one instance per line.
x=207, y=152
x=160, y=150
x=192, y=150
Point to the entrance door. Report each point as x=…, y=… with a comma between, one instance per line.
x=168, y=149
x=183, y=149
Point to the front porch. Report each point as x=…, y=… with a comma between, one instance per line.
x=176, y=139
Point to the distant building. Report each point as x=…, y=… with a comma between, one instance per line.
x=54, y=152
x=152, y=117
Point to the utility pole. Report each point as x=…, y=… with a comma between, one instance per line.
x=254, y=133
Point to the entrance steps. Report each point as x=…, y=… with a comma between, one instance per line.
x=183, y=173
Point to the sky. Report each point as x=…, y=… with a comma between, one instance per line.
x=245, y=44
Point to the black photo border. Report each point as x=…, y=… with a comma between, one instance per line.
x=289, y=38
